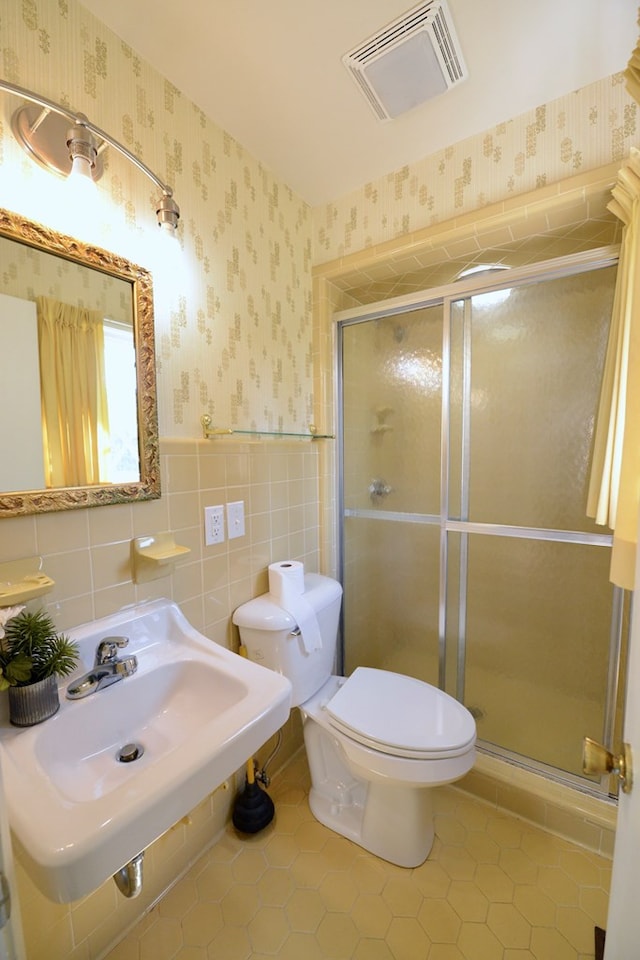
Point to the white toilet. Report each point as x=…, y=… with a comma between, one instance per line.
x=376, y=742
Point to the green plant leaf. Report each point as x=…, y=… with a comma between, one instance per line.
x=58, y=658
x=18, y=670
x=32, y=651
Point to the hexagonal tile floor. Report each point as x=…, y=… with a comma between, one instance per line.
x=493, y=888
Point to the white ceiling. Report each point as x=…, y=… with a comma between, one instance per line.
x=270, y=72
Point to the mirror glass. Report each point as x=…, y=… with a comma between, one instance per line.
x=78, y=413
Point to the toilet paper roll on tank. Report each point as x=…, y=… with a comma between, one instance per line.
x=286, y=587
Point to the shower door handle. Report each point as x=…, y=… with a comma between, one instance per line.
x=596, y=759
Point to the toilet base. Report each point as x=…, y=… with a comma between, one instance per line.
x=392, y=821
x=405, y=838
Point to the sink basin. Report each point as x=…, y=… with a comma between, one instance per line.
x=195, y=711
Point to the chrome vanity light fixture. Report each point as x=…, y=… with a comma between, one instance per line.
x=68, y=144
x=81, y=146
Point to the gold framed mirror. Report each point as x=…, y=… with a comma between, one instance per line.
x=78, y=423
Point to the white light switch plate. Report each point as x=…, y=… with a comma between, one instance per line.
x=235, y=519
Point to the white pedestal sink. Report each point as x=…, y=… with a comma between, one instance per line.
x=197, y=710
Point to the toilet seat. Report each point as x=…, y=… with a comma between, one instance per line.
x=400, y=715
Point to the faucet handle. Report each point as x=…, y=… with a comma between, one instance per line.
x=107, y=650
x=127, y=666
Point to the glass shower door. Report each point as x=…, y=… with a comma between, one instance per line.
x=467, y=557
x=540, y=616
x=392, y=403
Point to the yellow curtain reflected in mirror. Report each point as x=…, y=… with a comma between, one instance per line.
x=74, y=401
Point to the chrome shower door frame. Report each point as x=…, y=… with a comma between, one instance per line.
x=461, y=292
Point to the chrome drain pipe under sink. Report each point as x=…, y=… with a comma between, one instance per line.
x=129, y=878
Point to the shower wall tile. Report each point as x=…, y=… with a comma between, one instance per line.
x=104, y=525
x=590, y=823
x=111, y=564
x=181, y=473
x=213, y=473
x=152, y=515
x=77, y=532
x=80, y=931
x=113, y=598
x=183, y=510
x=550, y=221
x=19, y=538
x=70, y=571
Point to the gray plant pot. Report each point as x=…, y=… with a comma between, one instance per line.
x=34, y=703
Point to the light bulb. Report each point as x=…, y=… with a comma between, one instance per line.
x=81, y=168
x=84, y=216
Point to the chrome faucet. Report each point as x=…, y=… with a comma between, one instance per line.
x=108, y=668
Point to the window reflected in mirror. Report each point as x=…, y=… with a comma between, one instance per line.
x=119, y=457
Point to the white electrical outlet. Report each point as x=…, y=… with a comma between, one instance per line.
x=235, y=519
x=213, y=525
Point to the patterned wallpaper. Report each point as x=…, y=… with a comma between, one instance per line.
x=233, y=306
x=589, y=128
x=28, y=273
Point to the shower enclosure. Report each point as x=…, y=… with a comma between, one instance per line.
x=467, y=418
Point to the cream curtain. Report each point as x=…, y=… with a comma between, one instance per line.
x=614, y=491
x=74, y=401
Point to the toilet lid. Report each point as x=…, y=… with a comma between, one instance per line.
x=397, y=714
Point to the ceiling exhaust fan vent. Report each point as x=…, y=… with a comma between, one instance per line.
x=413, y=59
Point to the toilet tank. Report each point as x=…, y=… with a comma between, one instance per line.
x=267, y=632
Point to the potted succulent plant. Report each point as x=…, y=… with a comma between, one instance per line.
x=32, y=656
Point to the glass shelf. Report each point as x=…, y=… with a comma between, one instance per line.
x=211, y=433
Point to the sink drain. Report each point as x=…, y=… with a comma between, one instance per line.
x=130, y=752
